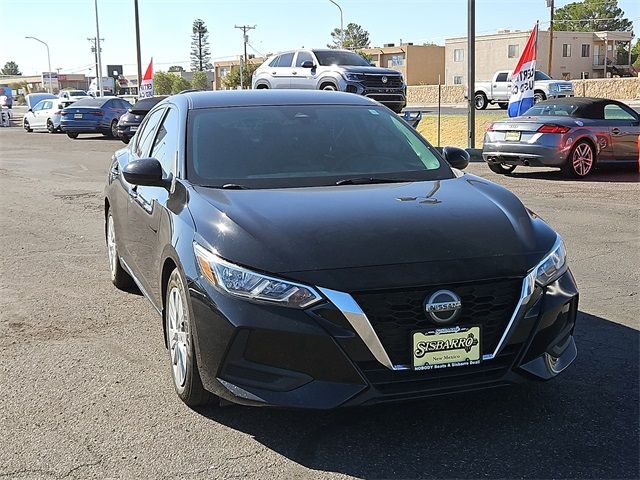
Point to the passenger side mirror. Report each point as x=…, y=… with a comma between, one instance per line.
x=307, y=64
x=457, y=157
x=146, y=172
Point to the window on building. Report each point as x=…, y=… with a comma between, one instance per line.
x=457, y=79
x=224, y=72
x=566, y=75
x=586, y=49
x=458, y=55
x=514, y=51
x=397, y=60
x=566, y=49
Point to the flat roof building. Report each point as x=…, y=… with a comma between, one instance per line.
x=419, y=64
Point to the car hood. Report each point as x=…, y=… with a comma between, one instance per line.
x=465, y=221
x=369, y=70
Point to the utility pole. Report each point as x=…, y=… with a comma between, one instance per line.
x=137, y=20
x=550, y=4
x=471, y=72
x=245, y=38
x=94, y=50
x=98, y=50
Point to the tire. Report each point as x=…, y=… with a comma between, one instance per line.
x=119, y=276
x=125, y=139
x=480, y=101
x=72, y=134
x=27, y=127
x=329, y=87
x=182, y=358
x=262, y=87
x=539, y=97
x=113, y=129
x=501, y=168
x=580, y=161
x=50, y=127
x=503, y=105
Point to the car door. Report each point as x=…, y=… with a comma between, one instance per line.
x=136, y=233
x=146, y=206
x=281, y=71
x=501, y=87
x=40, y=114
x=303, y=78
x=624, y=128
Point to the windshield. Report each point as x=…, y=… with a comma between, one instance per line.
x=542, y=76
x=326, y=58
x=146, y=104
x=551, y=109
x=78, y=93
x=307, y=145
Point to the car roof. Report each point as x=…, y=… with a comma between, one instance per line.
x=267, y=97
x=92, y=102
x=586, y=107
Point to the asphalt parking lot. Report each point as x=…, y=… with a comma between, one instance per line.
x=86, y=390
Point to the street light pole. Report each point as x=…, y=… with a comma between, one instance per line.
x=341, y=24
x=48, y=59
x=137, y=21
x=471, y=72
x=98, y=49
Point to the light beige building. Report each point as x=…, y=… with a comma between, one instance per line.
x=222, y=69
x=575, y=54
x=419, y=64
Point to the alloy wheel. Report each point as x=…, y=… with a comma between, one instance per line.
x=582, y=159
x=111, y=247
x=178, y=335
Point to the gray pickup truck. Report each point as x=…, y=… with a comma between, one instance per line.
x=498, y=89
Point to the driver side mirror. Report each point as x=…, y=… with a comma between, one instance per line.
x=30, y=110
x=307, y=64
x=146, y=172
x=457, y=157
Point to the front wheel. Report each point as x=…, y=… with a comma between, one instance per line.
x=480, y=101
x=501, y=168
x=27, y=127
x=539, y=97
x=329, y=87
x=581, y=160
x=72, y=134
x=178, y=325
x=119, y=277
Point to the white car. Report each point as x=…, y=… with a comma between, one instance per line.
x=73, y=94
x=45, y=115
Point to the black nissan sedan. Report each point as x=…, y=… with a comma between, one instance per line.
x=130, y=121
x=309, y=249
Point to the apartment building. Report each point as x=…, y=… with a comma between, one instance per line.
x=419, y=64
x=223, y=68
x=575, y=54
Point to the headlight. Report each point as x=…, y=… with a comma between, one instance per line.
x=241, y=282
x=551, y=266
x=353, y=77
x=554, y=87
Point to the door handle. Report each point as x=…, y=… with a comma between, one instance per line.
x=615, y=131
x=294, y=73
x=273, y=73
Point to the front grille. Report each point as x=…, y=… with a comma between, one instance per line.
x=383, y=97
x=375, y=81
x=394, y=314
x=565, y=88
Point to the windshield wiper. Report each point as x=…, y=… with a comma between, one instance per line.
x=233, y=186
x=368, y=180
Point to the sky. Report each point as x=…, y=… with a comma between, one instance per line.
x=165, y=27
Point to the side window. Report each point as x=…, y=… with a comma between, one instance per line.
x=502, y=77
x=37, y=107
x=285, y=60
x=274, y=62
x=165, y=145
x=47, y=106
x=145, y=134
x=303, y=57
x=616, y=112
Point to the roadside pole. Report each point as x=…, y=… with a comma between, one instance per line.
x=471, y=72
x=245, y=39
x=98, y=50
x=139, y=58
x=439, y=104
x=552, y=6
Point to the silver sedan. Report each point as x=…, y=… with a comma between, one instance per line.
x=573, y=134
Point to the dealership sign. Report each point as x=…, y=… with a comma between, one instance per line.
x=146, y=88
x=50, y=76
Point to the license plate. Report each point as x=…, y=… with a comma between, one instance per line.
x=512, y=136
x=446, y=347
x=77, y=115
x=133, y=129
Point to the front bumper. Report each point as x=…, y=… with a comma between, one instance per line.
x=127, y=130
x=394, y=98
x=265, y=355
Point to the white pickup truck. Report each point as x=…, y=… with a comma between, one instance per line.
x=498, y=90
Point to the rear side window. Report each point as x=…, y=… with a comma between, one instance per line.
x=616, y=112
x=285, y=60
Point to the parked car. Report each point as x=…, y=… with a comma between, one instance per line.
x=130, y=121
x=45, y=115
x=73, y=94
x=330, y=69
x=94, y=115
x=313, y=251
x=573, y=134
x=498, y=90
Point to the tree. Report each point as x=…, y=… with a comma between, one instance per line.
x=635, y=54
x=10, y=68
x=200, y=81
x=355, y=38
x=176, y=68
x=162, y=83
x=200, y=53
x=178, y=84
x=592, y=16
x=232, y=79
